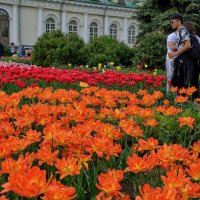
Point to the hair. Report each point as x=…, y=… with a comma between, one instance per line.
x=177, y=16
x=190, y=27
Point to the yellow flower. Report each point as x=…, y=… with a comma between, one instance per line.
x=118, y=68
x=155, y=73
x=104, y=66
x=99, y=66
x=69, y=64
x=112, y=63
x=83, y=84
x=145, y=65
x=86, y=66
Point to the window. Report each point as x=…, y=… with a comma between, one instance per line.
x=113, y=31
x=73, y=27
x=93, y=30
x=4, y=23
x=50, y=25
x=131, y=34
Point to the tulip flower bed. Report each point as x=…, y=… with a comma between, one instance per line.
x=94, y=142
x=12, y=75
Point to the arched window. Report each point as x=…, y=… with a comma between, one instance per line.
x=113, y=31
x=93, y=30
x=4, y=26
x=50, y=25
x=73, y=26
x=131, y=34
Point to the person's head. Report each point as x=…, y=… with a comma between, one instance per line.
x=190, y=27
x=176, y=21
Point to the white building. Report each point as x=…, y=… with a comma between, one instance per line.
x=23, y=21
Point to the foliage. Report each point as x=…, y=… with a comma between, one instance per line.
x=151, y=50
x=23, y=60
x=105, y=49
x=56, y=48
x=154, y=16
x=6, y=50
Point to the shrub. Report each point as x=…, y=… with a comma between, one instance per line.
x=6, y=50
x=151, y=50
x=56, y=48
x=105, y=49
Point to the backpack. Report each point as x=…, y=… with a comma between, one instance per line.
x=195, y=50
x=195, y=47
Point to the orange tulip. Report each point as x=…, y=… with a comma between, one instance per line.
x=157, y=94
x=69, y=167
x=148, y=144
x=10, y=165
x=27, y=184
x=5, y=149
x=45, y=155
x=137, y=164
x=181, y=99
x=174, y=89
x=57, y=191
x=194, y=170
x=167, y=155
x=147, y=100
x=148, y=193
x=170, y=111
x=190, y=90
x=189, y=121
x=196, y=146
x=32, y=136
x=182, y=91
x=150, y=122
x=175, y=179
x=3, y=198
x=109, y=182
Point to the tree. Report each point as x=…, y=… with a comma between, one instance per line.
x=155, y=14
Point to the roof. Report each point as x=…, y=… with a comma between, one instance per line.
x=117, y=3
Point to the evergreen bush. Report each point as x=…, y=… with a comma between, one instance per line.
x=151, y=50
x=104, y=49
x=56, y=48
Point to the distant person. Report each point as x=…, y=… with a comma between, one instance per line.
x=171, y=46
x=22, y=51
x=12, y=48
x=29, y=52
x=1, y=50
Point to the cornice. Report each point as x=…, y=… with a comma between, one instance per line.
x=75, y=6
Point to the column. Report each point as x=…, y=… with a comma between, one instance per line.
x=10, y=29
x=15, y=24
x=85, y=30
x=125, y=32
x=63, y=21
x=105, y=28
x=40, y=24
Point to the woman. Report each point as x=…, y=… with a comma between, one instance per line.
x=195, y=80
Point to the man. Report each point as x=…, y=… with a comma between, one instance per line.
x=183, y=63
x=171, y=46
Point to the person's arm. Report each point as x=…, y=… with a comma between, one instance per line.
x=172, y=46
x=186, y=47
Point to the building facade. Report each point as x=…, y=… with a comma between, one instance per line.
x=23, y=21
